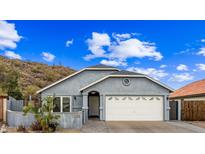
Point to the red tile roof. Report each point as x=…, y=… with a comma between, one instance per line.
x=194, y=88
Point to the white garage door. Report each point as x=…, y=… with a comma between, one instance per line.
x=134, y=108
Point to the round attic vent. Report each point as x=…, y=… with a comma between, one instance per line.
x=126, y=82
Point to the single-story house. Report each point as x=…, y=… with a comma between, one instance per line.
x=110, y=94
x=188, y=102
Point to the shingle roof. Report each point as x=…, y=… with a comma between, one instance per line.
x=101, y=66
x=123, y=72
x=192, y=89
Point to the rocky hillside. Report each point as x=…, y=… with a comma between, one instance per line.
x=32, y=75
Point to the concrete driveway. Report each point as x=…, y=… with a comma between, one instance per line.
x=94, y=126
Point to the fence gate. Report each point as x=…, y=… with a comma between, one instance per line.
x=193, y=110
x=174, y=110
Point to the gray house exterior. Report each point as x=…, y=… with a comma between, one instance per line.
x=110, y=94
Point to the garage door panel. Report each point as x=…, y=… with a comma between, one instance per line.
x=134, y=108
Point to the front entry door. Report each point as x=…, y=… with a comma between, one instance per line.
x=93, y=106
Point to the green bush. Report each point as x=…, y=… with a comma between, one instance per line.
x=11, y=86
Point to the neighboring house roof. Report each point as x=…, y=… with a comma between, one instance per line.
x=193, y=89
x=126, y=74
x=96, y=67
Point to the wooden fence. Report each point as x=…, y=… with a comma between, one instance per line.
x=3, y=101
x=193, y=110
x=1, y=108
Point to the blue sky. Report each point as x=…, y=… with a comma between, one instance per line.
x=170, y=51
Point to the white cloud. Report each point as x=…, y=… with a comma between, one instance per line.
x=119, y=37
x=101, y=46
x=202, y=40
x=181, y=77
x=157, y=74
x=114, y=63
x=201, y=67
x=12, y=55
x=182, y=67
x=189, y=51
x=8, y=35
x=201, y=51
x=48, y=56
x=163, y=66
x=134, y=48
x=96, y=44
x=69, y=43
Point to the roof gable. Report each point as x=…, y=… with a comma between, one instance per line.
x=76, y=73
x=130, y=74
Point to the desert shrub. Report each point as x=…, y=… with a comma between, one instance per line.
x=36, y=126
x=21, y=128
x=30, y=91
x=36, y=70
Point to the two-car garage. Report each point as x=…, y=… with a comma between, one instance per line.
x=134, y=108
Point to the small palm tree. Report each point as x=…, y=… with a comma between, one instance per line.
x=44, y=114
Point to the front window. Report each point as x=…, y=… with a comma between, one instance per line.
x=57, y=104
x=62, y=104
x=66, y=104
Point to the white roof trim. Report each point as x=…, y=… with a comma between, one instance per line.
x=51, y=85
x=163, y=85
x=101, y=69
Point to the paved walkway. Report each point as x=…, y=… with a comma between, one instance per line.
x=95, y=126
